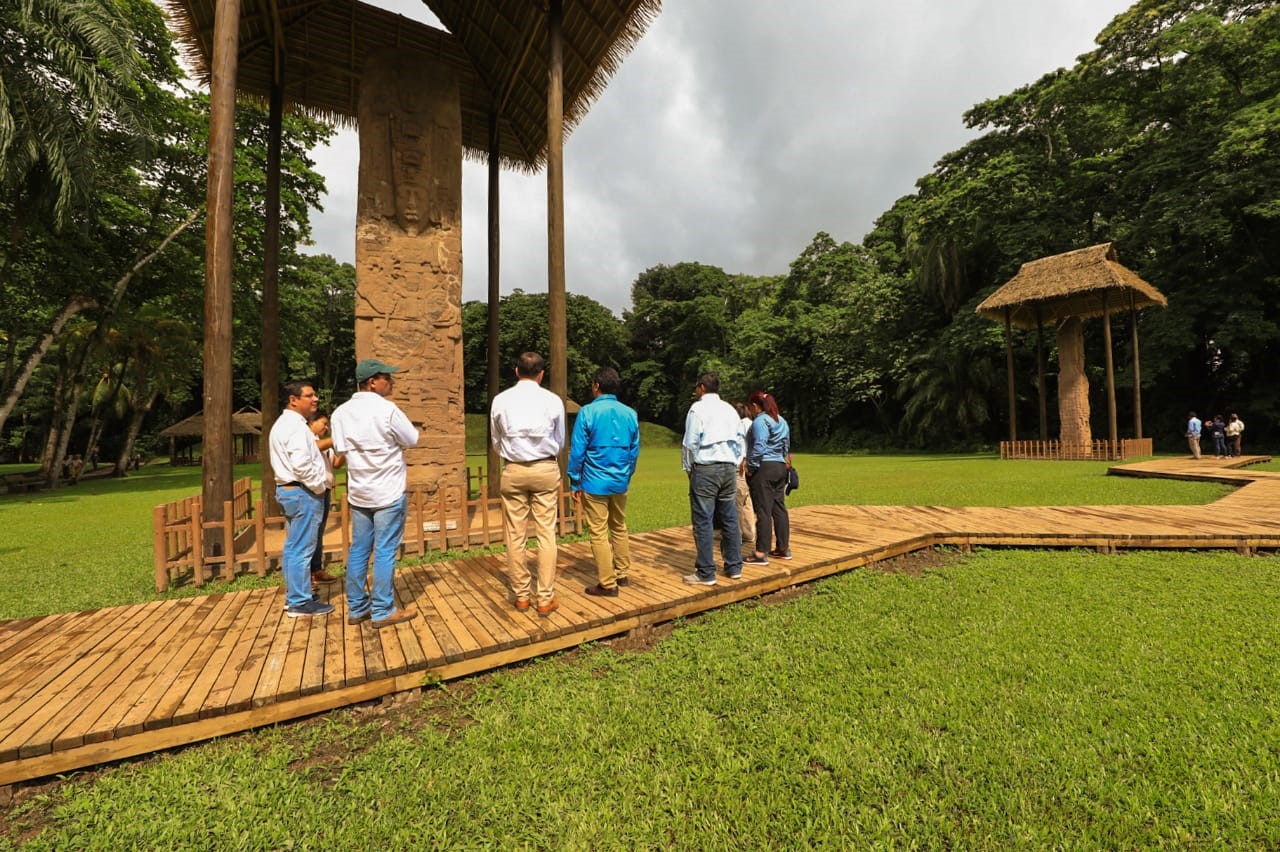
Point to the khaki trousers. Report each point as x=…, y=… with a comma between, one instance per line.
x=746, y=510
x=530, y=489
x=606, y=518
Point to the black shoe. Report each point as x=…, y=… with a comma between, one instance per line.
x=623, y=581
x=600, y=591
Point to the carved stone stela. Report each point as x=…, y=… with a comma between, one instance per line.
x=1073, y=388
x=409, y=251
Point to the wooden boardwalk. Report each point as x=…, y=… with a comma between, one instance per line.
x=82, y=688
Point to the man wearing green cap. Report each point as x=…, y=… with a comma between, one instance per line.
x=371, y=432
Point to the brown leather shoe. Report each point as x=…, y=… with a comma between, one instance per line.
x=359, y=619
x=623, y=581
x=522, y=603
x=323, y=576
x=398, y=617
x=600, y=591
x=546, y=609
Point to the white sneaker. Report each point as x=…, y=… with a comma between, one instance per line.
x=695, y=580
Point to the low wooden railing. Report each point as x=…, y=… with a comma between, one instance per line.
x=445, y=519
x=1098, y=450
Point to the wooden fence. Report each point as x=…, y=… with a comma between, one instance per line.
x=1099, y=450
x=186, y=549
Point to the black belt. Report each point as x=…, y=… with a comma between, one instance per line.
x=291, y=484
x=712, y=464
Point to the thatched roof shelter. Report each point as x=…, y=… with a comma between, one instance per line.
x=246, y=421
x=498, y=49
x=1060, y=292
x=1071, y=284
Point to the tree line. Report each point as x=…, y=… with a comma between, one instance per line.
x=1165, y=139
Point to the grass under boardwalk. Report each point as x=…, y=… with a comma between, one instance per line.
x=1005, y=699
x=89, y=545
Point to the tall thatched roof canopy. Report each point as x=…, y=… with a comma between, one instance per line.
x=1069, y=285
x=497, y=47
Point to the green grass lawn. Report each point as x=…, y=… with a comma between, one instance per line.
x=1003, y=699
x=89, y=545
x=1010, y=699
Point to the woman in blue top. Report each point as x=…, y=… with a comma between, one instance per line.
x=768, y=446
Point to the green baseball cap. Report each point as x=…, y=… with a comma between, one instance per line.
x=370, y=367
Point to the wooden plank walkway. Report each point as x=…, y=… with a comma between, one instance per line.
x=82, y=688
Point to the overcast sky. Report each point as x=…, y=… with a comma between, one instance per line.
x=734, y=132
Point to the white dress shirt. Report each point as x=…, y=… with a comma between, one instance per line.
x=372, y=432
x=527, y=422
x=712, y=433
x=295, y=457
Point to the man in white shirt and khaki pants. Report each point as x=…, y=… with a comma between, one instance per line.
x=527, y=428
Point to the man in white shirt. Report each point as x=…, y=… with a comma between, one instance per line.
x=300, y=487
x=371, y=432
x=526, y=425
x=714, y=446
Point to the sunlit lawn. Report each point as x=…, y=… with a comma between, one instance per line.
x=1008, y=699
x=89, y=545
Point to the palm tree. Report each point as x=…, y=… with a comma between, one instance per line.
x=67, y=70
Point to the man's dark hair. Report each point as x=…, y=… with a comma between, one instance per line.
x=529, y=365
x=710, y=382
x=294, y=388
x=607, y=380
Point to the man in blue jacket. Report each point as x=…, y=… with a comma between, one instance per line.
x=602, y=459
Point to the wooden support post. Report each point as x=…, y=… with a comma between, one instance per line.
x=260, y=536
x=197, y=542
x=494, y=464
x=1008, y=362
x=271, y=288
x=1113, y=432
x=1040, y=384
x=159, y=547
x=556, y=299
x=219, y=246
x=228, y=541
x=1137, y=370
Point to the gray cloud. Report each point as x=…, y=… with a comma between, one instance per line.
x=732, y=137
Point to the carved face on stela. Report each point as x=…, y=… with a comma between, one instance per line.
x=411, y=180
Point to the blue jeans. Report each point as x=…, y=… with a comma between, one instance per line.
x=302, y=520
x=377, y=531
x=713, y=502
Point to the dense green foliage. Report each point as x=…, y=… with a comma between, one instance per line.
x=1164, y=140
x=996, y=702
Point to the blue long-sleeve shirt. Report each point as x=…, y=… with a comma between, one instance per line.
x=604, y=447
x=770, y=440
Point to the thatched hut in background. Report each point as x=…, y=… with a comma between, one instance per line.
x=1062, y=291
x=246, y=436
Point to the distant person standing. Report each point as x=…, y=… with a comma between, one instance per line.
x=768, y=448
x=527, y=426
x=1218, y=431
x=602, y=460
x=300, y=485
x=371, y=433
x=746, y=509
x=320, y=427
x=1234, y=431
x=1193, y=434
x=712, y=449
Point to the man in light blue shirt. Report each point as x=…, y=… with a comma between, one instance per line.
x=602, y=460
x=713, y=447
x=1193, y=434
